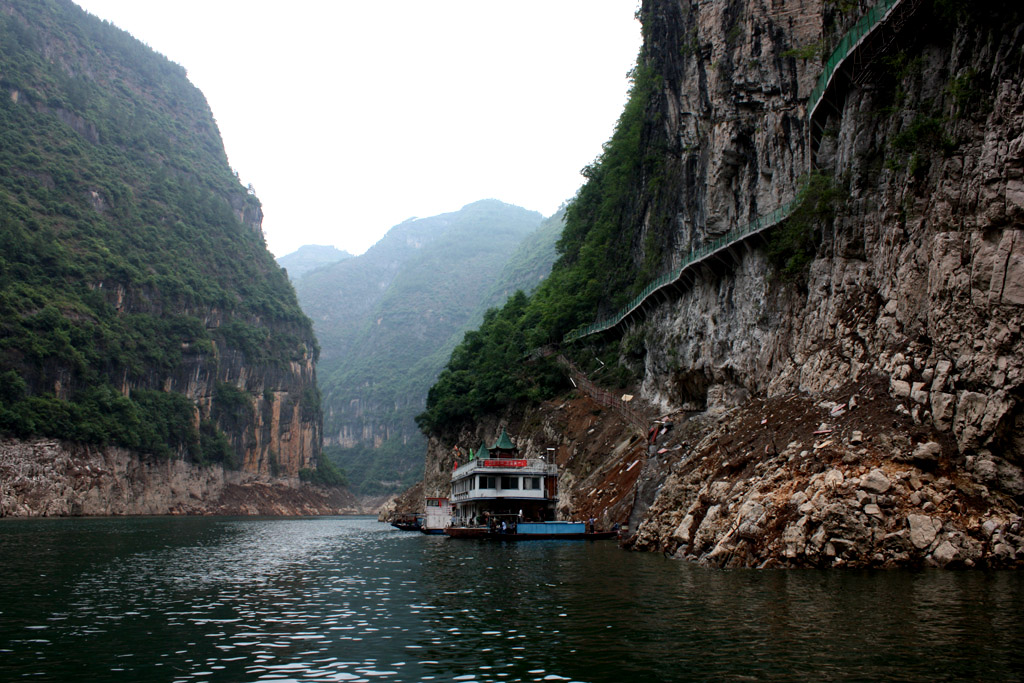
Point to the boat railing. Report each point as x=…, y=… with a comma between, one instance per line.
x=532, y=466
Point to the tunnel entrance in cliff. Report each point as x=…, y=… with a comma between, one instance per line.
x=690, y=390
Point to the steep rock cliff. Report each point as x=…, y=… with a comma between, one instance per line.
x=844, y=388
x=138, y=303
x=914, y=285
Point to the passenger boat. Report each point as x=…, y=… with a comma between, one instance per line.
x=499, y=495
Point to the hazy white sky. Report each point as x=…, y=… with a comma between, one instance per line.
x=349, y=117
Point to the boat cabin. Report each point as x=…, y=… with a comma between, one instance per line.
x=437, y=515
x=497, y=484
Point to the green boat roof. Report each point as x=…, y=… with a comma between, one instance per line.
x=504, y=443
x=482, y=453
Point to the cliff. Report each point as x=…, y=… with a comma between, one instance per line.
x=911, y=299
x=841, y=386
x=139, y=306
x=40, y=478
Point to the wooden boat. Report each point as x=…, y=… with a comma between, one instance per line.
x=408, y=522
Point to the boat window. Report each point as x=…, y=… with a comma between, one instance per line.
x=487, y=482
x=531, y=483
x=510, y=482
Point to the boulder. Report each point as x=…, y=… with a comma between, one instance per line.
x=875, y=481
x=923, y=530
x=943, y=409
x=682, y=532
x=926, y=454
x=945, y=554
x=900, y=389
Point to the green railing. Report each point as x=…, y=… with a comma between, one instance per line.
x=844, y=48
x=694, y=257
x=846, y=45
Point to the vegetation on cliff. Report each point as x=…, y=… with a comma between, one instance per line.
x=594, y=273
x=128, y=248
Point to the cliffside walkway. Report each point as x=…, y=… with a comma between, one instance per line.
x=674, y=277
x=604, y=397
x=872, y=33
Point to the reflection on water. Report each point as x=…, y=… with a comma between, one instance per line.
x=350, y=599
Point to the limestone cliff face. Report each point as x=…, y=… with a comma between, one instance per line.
x=42, y=478
x=866, y=409
x=278, y=429
x=917, y=280
x=919, y=277
x=139, y=305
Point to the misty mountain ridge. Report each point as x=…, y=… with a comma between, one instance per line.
x=388, y=319
x=310, y=257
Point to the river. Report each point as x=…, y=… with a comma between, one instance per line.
x=351, y=599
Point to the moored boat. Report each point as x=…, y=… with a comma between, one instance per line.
x=408, y=522
x=499, y=494
x=438, y=516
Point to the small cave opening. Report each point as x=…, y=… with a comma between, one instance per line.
x=690, y=390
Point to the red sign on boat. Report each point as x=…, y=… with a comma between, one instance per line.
x=504, y=463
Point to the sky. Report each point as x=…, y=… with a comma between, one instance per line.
x=349, y=117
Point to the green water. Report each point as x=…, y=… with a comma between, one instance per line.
x=350, y=599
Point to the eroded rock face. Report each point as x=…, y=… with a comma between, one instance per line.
x=739, y=498
x=46, y=478
x=917, y=278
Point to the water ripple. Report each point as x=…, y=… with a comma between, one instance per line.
x=349, y=599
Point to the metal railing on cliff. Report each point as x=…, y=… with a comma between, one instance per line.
x=847, y=48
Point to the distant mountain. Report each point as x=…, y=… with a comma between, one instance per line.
x=529, y=264
x=388, y=319
x=310, y=257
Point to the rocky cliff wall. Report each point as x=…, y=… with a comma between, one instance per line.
x=914, y=287
x=919, y=276
x=46, y=478
x=156, y=270
x=866, y=407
